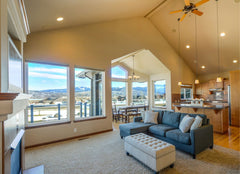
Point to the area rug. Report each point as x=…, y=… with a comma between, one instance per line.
x=104, y=154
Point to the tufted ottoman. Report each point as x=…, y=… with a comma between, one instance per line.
x=154, y=153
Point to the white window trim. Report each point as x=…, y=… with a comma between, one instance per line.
x=103, y=93
x=147, y=91
x=153, y=93
x=49, y=122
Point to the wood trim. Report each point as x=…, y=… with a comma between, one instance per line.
x=70, y=138
x=47, y=125
x=8, y=96
x=89, y=119
x=3, y=146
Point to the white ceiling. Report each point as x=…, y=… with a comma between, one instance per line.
x=144, y=62
x=42, y=14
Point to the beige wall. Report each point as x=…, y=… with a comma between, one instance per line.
x=94, y=46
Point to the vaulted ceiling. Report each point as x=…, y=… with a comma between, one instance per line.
x=42, y=15
x=207, y=37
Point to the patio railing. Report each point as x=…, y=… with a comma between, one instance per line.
x=84, y=110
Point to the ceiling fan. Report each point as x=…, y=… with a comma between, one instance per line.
x=190, y=7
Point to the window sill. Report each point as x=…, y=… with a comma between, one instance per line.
x=159, y=108
x=89, y=119
x=52, y=123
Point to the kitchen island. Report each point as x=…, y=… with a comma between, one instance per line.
x=217, y=114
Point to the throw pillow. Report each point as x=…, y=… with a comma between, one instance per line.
x=151, y=117
x=143, y=115
x=197, y=123
x=186, y=123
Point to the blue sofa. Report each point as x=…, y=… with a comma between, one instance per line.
x=167, y=129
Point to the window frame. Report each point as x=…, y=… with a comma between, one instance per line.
x=147, y=92
x=122, y=68
x=126, y=83
x=103, y=115
x=153, y=93
x=26, y=90
x=184, y=93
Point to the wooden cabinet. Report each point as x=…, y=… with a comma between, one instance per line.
x=198, y=89
x=202, y=90
x=212, y=84
x=235, y=97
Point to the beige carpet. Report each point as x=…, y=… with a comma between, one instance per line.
x=104, y=154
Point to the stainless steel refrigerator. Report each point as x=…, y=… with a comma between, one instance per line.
x=229, y=103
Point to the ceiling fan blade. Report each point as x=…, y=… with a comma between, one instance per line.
x=176, y=11
x=183, y=17
x=199, y=13
x=187, y=2
x=201, y=2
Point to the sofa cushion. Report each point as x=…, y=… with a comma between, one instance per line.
x=204, y=117
x=160, y=129
x=151, y=117
x=186, y=123
x=160, y=115
x=171, y=118
x=178, y=136
x=197, y=123
x=134, y=127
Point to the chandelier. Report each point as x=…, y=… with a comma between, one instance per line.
x=133, y=76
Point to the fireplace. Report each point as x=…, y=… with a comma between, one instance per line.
x=12, y=134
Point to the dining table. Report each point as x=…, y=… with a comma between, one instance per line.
x=132, y=110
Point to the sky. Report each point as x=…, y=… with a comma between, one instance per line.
x=43, y=76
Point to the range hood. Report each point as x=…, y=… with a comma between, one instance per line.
x=216, y=89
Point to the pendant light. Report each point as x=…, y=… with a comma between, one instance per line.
x=196, y=52
x=219, y=79
x=179, y=83
x=133, y=76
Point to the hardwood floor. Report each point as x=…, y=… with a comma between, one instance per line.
x=229, y=140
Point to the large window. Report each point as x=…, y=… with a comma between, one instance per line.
x=139, y=93
x=119, y=96
x=160, y=93
x=48, y=86
x=88, y=93
x=119, y=72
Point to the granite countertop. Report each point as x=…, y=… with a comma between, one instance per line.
x=209, y=106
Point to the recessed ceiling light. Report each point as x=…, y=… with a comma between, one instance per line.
x=235, y=61
x=203, y=67
x=187, y=46
x=59, y=19
x=222, y=34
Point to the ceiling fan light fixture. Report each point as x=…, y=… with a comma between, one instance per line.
x=203, y=67
x=187, y=46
